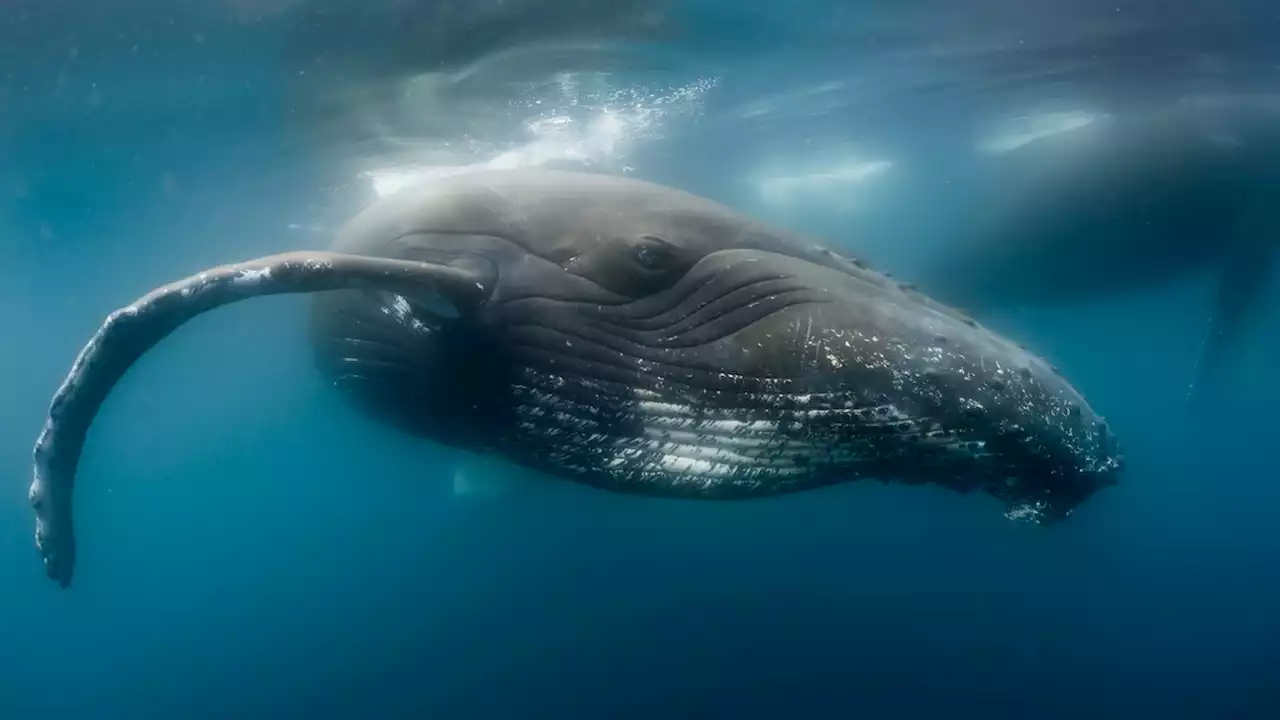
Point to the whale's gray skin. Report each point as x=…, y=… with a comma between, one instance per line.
x=1128, y=202
x=635, y=338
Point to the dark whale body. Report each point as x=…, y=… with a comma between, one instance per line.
x=634, y=338
x=1129, y=202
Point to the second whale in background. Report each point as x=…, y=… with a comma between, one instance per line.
x=1126, y=202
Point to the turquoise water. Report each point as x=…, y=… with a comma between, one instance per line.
x=252, y=548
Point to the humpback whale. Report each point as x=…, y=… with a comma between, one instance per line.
x=634, y=338
x=1123, y=202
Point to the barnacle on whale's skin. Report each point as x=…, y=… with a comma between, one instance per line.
x=633, y=338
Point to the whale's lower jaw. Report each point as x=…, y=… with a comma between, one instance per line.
x=730, y=447
x=626, y=419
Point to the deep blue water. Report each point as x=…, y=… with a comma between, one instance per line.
x=252, y=548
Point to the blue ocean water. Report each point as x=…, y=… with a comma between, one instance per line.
x=252, y=548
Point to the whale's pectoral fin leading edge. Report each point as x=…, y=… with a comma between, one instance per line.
x=129, y=332
x=1241, y=284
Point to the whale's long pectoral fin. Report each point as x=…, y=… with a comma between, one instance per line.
x=1241, y=284
x=129, y=332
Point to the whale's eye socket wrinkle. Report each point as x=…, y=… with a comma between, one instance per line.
x=655, y=254
x=634, y=267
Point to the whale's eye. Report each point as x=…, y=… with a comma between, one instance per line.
x=633, y=266
x=653, y=253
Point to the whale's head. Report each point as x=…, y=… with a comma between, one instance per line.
x=646, y=340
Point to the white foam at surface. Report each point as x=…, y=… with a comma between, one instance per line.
x=580, y=128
